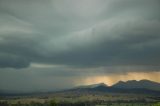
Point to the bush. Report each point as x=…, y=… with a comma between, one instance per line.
x=157, y=104
x=53, y=103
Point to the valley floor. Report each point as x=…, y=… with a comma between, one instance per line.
x=82, y=100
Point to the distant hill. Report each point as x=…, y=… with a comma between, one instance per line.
x=132, y=86
x=144, y=84
x=92, y=86
x=128, y=87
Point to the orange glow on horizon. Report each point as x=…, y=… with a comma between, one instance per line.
x=113, y=78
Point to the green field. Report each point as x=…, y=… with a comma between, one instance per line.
x=82, y=100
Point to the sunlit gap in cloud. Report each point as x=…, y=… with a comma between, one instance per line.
x=114, y=78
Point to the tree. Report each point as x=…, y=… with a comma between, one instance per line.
x=53, y=103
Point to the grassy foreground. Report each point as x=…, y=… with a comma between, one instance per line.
x=82, y=100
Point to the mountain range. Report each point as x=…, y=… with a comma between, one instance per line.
x=145, y=84
x=129, y=87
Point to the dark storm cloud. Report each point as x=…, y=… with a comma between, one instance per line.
x=44, y=43
x=80, y=33
x=8, y=60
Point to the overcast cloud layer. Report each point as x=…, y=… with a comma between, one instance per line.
x=70, y=38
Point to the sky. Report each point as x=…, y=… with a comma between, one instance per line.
x=48, y=45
